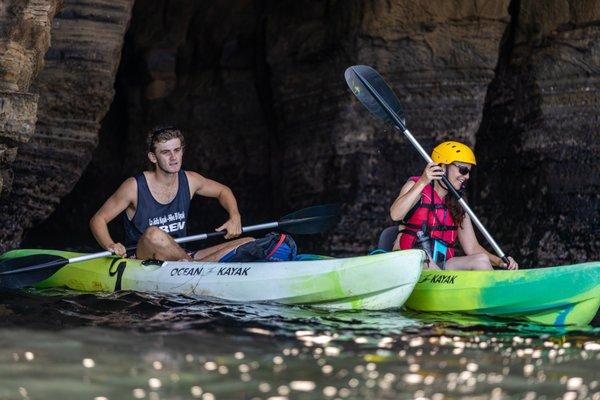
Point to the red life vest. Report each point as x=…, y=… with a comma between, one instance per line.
x=433, y=211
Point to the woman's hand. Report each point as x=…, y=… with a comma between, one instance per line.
x=431, y=172
x=512, y=264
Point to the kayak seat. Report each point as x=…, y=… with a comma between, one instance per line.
x=387, y=238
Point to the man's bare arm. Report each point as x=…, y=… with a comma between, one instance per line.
x=116, y=204
x=209, y=188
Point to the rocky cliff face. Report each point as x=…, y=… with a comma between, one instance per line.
x=74, y=91
x=24, y=39
x=439, y=58
x=539, y=185
x=200, y=66
x=294, y=135
x=258, y=88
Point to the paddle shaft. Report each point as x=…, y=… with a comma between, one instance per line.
x=400, y=125
x=246, y=229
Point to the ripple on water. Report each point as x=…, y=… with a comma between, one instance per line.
x=142, y=346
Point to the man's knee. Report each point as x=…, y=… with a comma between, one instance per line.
x=154, y=235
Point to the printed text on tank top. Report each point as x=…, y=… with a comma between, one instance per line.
x=170, y=216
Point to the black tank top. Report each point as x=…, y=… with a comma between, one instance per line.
x=171, y=218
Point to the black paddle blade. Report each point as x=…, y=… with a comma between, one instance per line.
x=367, y=85
x=24, y=271
x=311, y=220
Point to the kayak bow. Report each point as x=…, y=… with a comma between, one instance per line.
x=564, y=295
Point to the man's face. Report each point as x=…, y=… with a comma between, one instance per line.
x=167, y=155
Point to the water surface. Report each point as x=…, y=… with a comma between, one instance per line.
x=128, y=345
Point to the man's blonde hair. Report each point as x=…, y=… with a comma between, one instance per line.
x=162, y=134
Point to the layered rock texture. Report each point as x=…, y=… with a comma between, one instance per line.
x=74, y=92
x=197, y=65
x=438, y=56
x=24, y=39
x=539, y=186
x=258, y=89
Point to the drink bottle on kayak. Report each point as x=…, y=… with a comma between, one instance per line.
x=435, y=249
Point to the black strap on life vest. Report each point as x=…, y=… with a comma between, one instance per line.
x=440, y=227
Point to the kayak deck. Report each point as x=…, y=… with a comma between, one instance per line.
x=374, y=282
x=564, y=295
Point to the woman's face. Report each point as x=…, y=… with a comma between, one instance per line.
x=459, y=174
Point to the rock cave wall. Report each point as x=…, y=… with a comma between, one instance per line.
x=539, y=187
x=74, y=91
x=24, y=39
x=258, y=88
x=438, y=56
x=199, y=66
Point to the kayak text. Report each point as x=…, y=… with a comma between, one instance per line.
x=174, y=227
x=186, y=271
x=233, y=271
x=448, y=279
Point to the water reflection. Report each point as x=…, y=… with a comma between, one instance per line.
x=148, y=347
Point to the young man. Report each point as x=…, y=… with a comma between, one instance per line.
x=156, y=205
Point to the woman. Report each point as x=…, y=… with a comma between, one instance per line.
x=432, y=218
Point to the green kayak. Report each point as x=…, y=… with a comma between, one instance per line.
x=564, y=295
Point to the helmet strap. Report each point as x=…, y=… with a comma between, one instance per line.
x=442, y=184
x=460, y=191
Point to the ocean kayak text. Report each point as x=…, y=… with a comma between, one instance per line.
x=223, y=271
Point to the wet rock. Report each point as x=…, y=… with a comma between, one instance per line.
x=74, y=90
x=538, y=137
x=439, y=59
x=24, y=39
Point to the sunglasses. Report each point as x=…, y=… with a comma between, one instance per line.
x=463, y=170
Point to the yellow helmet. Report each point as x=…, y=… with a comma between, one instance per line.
x=450, y=151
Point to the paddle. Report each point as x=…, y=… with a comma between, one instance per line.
x=24, y=271
x=375, y=94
